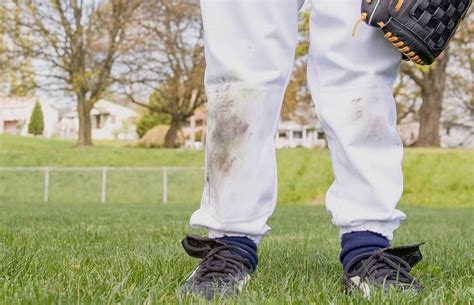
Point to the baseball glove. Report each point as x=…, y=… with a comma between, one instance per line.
x=420, y=29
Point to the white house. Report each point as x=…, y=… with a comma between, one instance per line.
x=291, y=134
x=451, y=134
x=194, y=130
x=109, y=121
x=408, y=132
x=457, y=135
x=15, y=113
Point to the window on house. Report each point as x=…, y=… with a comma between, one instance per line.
x=282, y=135
x=297, y=134
x=97, y=121
x=320, y=135
x=113, y=119
x=12, y=127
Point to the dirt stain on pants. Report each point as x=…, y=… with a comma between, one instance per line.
x=228, y=128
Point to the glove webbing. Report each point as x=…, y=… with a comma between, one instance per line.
x=437, y=21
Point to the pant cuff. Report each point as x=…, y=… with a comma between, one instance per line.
x=219, y=234
x=384, y=228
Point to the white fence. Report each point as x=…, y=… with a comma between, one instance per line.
x=104, y=171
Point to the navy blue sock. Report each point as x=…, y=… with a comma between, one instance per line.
x=249, y=248
x=356, y=243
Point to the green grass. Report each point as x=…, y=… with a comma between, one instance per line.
x=74, y=250
x=88, y=253
x=433, y=177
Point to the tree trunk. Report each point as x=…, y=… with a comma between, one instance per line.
x=430, y=111
x=430, y=115
x=85, y=127
x=172, y=134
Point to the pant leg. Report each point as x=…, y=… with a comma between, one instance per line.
x=351, y=81
x=249, y=49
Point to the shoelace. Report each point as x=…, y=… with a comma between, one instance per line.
x=219, y=263
x=383, y=267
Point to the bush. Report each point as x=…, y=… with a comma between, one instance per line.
x=198, y=136
x=155, y=137
x=150, y=120
x=36, y=125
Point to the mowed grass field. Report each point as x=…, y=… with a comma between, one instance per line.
x=74, y=250
x=66, y=253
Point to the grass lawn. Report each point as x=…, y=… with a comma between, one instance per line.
x=75, y=250
x=433, y=177
x=68, y=253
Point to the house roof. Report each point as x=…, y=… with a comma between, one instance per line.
x=19, y=108
x=24, y=101
x=106, y=107
x=16, y=102
x=103, y=107
x=292, y=125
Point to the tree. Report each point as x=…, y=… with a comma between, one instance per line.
x=18, y=77
x=297, y=102
x=170, y=62
x=431, y=81
x=448, y=79
x=3, y=49
x=458, y=105
x=80, y=43
x=36, y=124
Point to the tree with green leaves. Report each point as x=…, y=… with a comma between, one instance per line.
x=36, y=124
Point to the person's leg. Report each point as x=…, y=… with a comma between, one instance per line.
x=249, y=49
x=249, y=54
x=351, y=80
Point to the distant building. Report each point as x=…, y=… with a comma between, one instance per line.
x=15, y=113
x=194, y=130
x=457, y=135
x=109, y=121
x=292, y=134
x=408, y=132
x=451, y=134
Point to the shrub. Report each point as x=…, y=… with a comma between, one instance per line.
x=36, y=125
x=150, y=120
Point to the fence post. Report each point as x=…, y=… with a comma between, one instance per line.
x=46, y=184
x=165, y=185
x=104, y=184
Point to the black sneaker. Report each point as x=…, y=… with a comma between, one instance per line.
x=220, y=272
x=383, y=268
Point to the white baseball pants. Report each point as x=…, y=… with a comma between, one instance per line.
x=250, y=47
